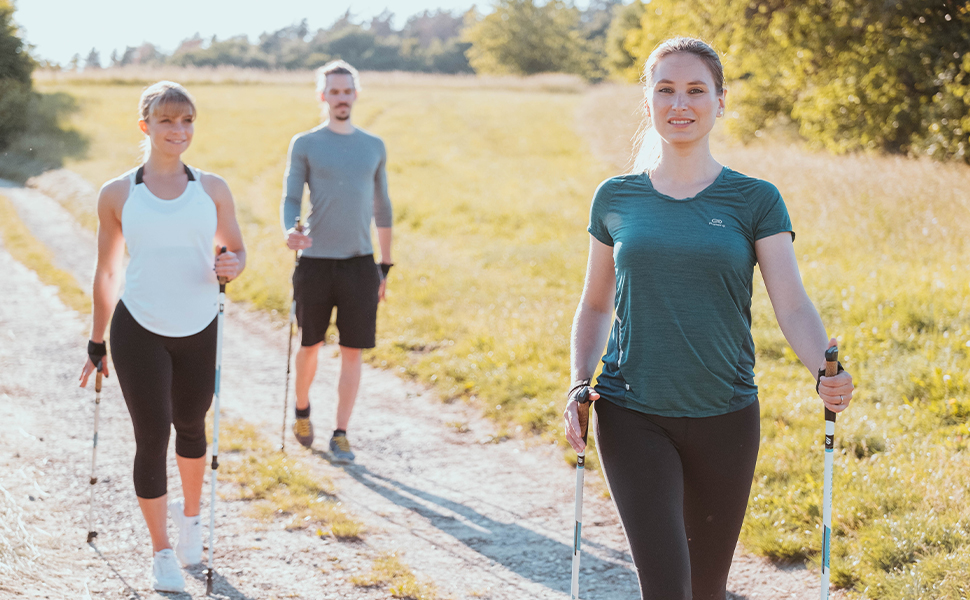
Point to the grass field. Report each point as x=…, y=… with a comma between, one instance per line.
x=491, y=187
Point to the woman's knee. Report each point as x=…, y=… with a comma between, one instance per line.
x=190, y=441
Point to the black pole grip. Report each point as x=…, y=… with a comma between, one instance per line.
x=222, y=280
x=583, y=404
x=831, y=370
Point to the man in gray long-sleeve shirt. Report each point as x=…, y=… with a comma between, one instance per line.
x=345, y=170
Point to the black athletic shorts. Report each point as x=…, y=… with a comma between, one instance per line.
x=349, y=284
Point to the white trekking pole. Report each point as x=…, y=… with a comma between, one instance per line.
x=831, y=370
x=94, y=450
x=583, y=409
x=215, y=431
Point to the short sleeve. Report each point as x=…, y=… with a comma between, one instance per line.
x=598, y=211
x=771, y=214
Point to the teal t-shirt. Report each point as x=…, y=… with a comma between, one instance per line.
x=681, y=341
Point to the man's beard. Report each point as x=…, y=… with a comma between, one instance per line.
x=337, y=115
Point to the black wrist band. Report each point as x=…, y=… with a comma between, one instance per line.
x=576, y=392
x=96, y=352
x=385, y=268
x=821, y=373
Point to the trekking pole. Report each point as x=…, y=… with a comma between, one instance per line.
x=289, y=343
x=583, y=403
x=94, y=450
x=215, y=430
x=831, y=370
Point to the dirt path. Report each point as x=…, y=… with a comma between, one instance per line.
x=481, y=519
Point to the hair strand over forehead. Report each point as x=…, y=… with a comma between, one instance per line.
x=165, y=93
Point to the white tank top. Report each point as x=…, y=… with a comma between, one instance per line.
x=170, y=286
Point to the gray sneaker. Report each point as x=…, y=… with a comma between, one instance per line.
x=303, y=430
x=340, y=450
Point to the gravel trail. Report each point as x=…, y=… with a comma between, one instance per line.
x=481, y=519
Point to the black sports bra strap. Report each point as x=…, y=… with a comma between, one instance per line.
x=140, y=174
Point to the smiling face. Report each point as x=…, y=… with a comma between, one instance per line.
x=170, y=128
x=682, y=99
x=340, y=95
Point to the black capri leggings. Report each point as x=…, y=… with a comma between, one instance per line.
x=681, y=488
x=165, y=381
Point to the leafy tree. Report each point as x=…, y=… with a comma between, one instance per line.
x=595, y=25
x=16, y=67
x=437, y=44
x=381, y=26
x=523, y=37
x=851, y=74
x=621, y=37
x=93, y=61
x=448, y=57
x=142, y=55
x=429, y=26
x=286, y=47
x=235, y=51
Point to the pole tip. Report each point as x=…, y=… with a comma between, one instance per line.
x=92, y=535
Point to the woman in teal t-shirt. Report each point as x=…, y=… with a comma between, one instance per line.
x=672, y=253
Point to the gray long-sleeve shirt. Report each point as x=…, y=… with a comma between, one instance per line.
x=348, y=187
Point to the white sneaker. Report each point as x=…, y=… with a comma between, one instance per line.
x=166, y=574
x=189, y=547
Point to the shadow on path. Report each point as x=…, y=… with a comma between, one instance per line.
x=220, y=585
x=523, y=551
x=131, y=591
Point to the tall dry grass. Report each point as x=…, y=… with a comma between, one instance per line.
x=491, y=187
x=135, y=74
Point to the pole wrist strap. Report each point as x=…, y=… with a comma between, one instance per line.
x=96, y=352
x=580, y=391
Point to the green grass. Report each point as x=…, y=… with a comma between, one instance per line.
x=390, y=573
x=280, y=486
x=491, y=190
x=26, y=249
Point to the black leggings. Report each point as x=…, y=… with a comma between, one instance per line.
x=681, y=488
x=165, y=381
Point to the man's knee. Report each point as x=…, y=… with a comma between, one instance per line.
x=309, y=351
x=348, y=354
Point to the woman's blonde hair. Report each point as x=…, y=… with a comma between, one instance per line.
x=647, y=145
x=160, y=96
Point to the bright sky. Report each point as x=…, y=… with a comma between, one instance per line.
x=60, y=28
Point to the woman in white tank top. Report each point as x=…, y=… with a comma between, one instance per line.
x=171, y=218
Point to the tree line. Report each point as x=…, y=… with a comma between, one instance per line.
x=848, y=75
x=437, y=41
